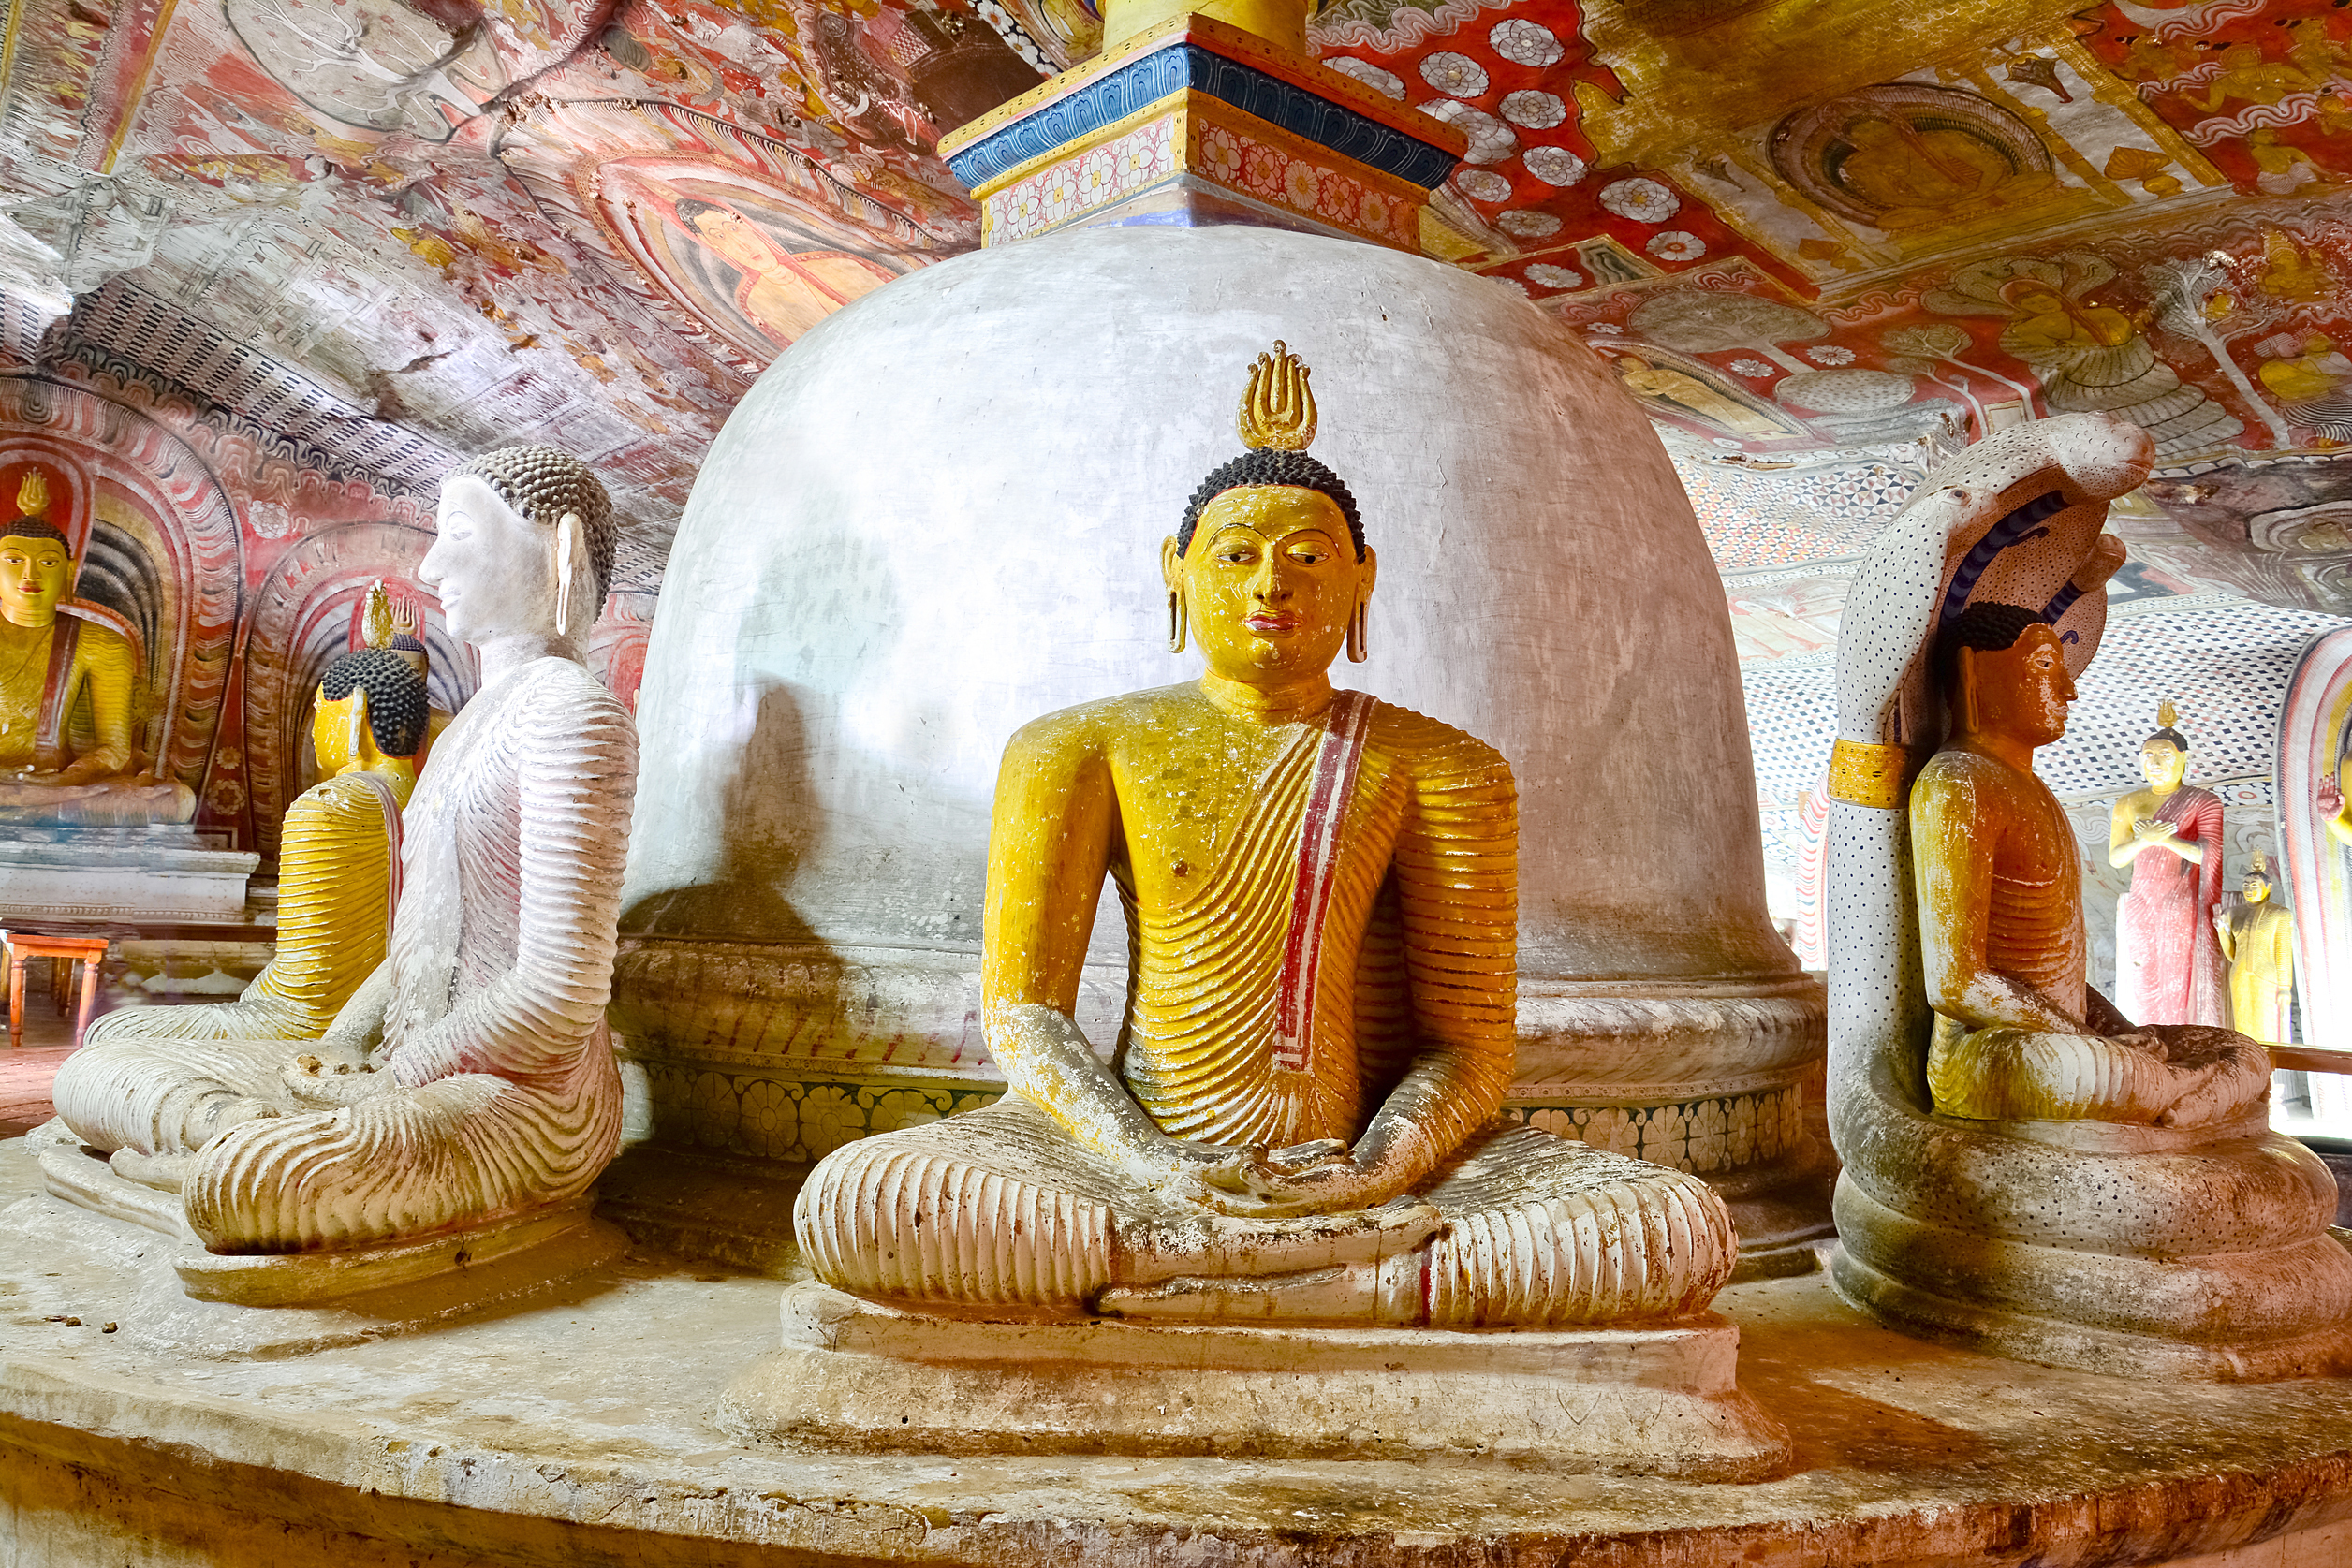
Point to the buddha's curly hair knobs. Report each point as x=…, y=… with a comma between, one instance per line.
x=1270, y=466
x=396, y=705
x=543, y=483
x=34, y=528
x=1987, y=625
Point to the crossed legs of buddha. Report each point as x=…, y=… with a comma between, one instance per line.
x=406, y=1163
x=151, y=1099
x=999, y=1210
x=2171, y=1076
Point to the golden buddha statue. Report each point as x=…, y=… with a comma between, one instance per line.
x=157, y=1083
x=68, y=692
x=1299, y=1119
x=2259, y=939
x=2020, y=1034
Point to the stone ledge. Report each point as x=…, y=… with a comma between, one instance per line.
x=575, y=1429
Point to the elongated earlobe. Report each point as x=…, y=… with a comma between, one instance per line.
x=567, y=542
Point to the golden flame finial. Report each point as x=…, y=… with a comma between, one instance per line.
x=1278, y=407
x=376, y=625
x=2167, y=715
x=2262, y=867
x=32, y=496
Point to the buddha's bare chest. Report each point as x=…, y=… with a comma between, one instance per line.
x=1184, y=804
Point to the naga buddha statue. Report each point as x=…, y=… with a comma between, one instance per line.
x=68, y=692
x=2020, y=1034
x=2259, y=939
x=2168, y=961
x=1299, y=1122
x=467, y=1088
x=2028, y=1172
x=155, y=1084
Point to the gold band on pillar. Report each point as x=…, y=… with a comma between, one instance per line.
x=1861, y=775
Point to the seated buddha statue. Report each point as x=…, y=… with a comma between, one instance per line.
x=68, y=692
x=1300, y=1120
x=2020, y=1034
x=155, y=1084
x=469, y=1080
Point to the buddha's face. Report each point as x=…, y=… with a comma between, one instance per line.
x=2022, y=691
x=338, y=731
x=491, y=569
x=2163, y=764
x=1270, y=582
x=32, y=578
x=2255, y=889
x=737, y=240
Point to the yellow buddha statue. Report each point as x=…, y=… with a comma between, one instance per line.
x=68, y=692
x=2020, y=1034
x=2259, y=939
x=1299, y=1119
x=156, y=1083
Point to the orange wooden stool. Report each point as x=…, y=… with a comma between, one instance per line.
x=88, y=951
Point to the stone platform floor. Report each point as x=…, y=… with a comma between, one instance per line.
x=573, y=1430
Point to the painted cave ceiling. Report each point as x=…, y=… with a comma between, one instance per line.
x=349, y=242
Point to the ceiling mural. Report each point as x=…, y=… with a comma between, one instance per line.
x=1822, y=240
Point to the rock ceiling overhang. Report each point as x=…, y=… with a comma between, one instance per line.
x=394, y=234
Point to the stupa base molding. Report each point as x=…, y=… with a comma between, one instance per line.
x=2053, y=1343
x=860, y=1376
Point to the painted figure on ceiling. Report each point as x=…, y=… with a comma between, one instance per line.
x=1680, y=392
x=1923, y=178
x=782, y=292
x=2090, y=357
x=2245, y=76
x=2167, y=956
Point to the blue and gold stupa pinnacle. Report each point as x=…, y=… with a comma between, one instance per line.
x=1197, y=119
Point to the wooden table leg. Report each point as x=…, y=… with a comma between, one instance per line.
x=89, y=995
x=16, y=998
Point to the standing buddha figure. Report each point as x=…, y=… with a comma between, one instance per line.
x=1299, y=1119
x=155, y=1084
x=2259, y=939
x=68, y=692
x=2167, y=958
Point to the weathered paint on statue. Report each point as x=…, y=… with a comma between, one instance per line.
x=68, y=692
x=2020, y=1034
x=2167, y=960
x=155, y=1084
x=2026, y=1172
x=1321, y=899
x=2259, y=939
x=470, y=1079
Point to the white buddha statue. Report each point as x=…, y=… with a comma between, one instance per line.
x=469, y=1080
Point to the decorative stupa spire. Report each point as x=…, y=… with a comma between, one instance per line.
x=1187, y=111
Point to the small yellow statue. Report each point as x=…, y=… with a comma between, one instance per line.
x=1320, y=889
x=2259, y=939
x=68, y=692
x=157, y=1083
x=2020, y=1034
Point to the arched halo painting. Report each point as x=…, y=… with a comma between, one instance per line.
x=749, y=262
